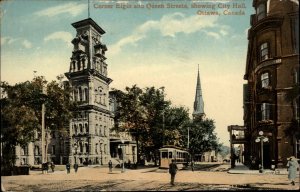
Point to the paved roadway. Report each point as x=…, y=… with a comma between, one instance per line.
x=147, y=179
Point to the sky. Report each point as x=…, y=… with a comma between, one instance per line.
x=154, y=45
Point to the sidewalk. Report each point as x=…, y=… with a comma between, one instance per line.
x=242, y=169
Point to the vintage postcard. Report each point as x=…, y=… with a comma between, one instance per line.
x=138, y=95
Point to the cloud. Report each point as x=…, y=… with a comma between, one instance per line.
x=60, y=35
x=27, y=44
x=73, y=9
x=10, y=40
x=213, y=34
x=170, y=25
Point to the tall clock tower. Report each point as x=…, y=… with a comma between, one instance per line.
x=89, y=129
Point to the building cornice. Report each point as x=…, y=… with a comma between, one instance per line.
x=273, y=21
x=90, y=72
x=86, y=22
x=267, y=63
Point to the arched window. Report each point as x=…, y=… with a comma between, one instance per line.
x=75, y=95
x=80, y=94
x=104, y=148
x=36, y=150
x=78, y=65
x=86, y=94
x=96, y=95
x=264, y=51
x=297, y=108
x=296, y=76
x=80, y=147
x=86, y=128
x=80, y=128
x=75, y=129
x=265, y=111
x=83, y=63
x=87, y=147
x=265, y=81
x=96, y=129
x=74, y=65
x=101, y=131
x=96, y=148
x=100, y=94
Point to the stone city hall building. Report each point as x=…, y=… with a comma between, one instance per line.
x=90, y=138
x=271, y=95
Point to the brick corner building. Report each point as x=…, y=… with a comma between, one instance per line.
x=271, y=95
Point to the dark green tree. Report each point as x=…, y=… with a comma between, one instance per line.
x=202, y=137
x=131, y=115
x=21, y=112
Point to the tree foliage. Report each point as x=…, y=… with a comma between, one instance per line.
x=21, y=114
x=202, y=137
x=154, y=122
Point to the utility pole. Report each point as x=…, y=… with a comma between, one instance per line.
x=163, y=127
x=43, y=129
x=163, y=115
x=188, y=144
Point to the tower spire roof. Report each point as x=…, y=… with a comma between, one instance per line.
x=198, y=103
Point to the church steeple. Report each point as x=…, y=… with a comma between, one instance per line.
x=198, y=103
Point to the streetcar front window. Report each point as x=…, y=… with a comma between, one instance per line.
x=164, y=155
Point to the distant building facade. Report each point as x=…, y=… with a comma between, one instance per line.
x=89, y=138
x=271, y=95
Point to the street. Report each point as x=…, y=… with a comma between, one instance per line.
x=145, y=179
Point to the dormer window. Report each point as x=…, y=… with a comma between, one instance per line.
x=261, y=11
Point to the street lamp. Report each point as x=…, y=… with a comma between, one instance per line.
x=261, y=139
x=101, y=159
x=122, y=148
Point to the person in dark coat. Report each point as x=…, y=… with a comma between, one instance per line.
x=44, y=168
x=68, y=167
x=110, y=166
x=47, y=166
x=193, y=165
x=52, y=167
x=173, y=170
x=75, y=167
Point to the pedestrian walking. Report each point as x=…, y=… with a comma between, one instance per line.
x=193, y=165
x=68, y=167
x=129, y=164
x=173, y=170
x=75, y=167
x=110, y=166
x=47, y=167
x=52, y=167
x=44, y=168
x=292, y=167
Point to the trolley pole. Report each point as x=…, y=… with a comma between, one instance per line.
x=188, y=144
